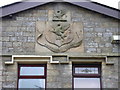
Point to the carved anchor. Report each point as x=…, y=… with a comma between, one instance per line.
x=59, y=30
x=59, y=15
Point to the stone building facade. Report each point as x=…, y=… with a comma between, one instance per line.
x=59, y=35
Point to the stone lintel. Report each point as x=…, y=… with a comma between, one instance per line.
x=59, y=58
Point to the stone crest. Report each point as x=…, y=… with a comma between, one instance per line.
x=59, y=15
x=59, y=35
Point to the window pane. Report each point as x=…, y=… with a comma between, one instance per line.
x=86, y=70
x=86, y=82
x=32, y=71
x=32, y=83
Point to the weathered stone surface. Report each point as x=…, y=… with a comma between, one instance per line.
x=5, y=38
x=22, y=39
x=59, y=36
x=59, y=76
x=19, y=37
x=89, y=50
x=13, y=39
x=17, y=44
x=111, y=75
x=7, y=44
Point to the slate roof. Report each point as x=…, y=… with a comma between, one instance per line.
x=21, y=6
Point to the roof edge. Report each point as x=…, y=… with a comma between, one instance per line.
x=93, y=6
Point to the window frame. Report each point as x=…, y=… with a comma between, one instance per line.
x=32, y=76
x=74, y=75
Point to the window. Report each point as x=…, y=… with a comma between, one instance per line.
x=87, y=76
x=31, y=76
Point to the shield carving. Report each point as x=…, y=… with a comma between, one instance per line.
x=59, y=36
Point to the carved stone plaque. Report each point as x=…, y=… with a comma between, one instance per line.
x=59, y=39
x=59, y=35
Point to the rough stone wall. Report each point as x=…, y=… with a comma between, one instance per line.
x=0, y=53
x=18, y=33
x=59, y=75
x=110, y=74
x=18, y=37
x=118, y=73
x=9, y=75
x=1, y=70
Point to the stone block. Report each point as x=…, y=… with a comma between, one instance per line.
x=13, y=23
x=116, y=50
x=100, y=34
x=20, y=18
x=11, y=50
x=93, y=44
x=0, y=85
x=9, y=84
x=76, y=19
x=42, y=18
x=5, y=38
x=13, y=39
x=51, y=79
x=88, y=34
x=9, y=29
x=22, y=39
x=31, y=39
x=7, y=44
x=21, y=29
x=99, y=50
x=4, y=49
x=67, y=85
x=99, y=30
x=107, y=34
x=53, y=72
x=89, y=24
x=59, y=67
x=97, y=40
x=42, y=13
x=54, y=85
x=5, y=24
x=90, y=50
x=18, y=33
x=28, y=23
x=106, y=39
x=10, y=72
x=29, y=34
x=28, y=45
x=18, y=49
x=11, y=78
x=0, y=72
x=8, y=34
x=31, y=29
x=20, y=23
x=17, y=44
x=88, y=29
x=107, y=49
x=108, y=45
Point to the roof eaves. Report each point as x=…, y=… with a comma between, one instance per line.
x=99, y=8
x=21, y=6
x=17, y=7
